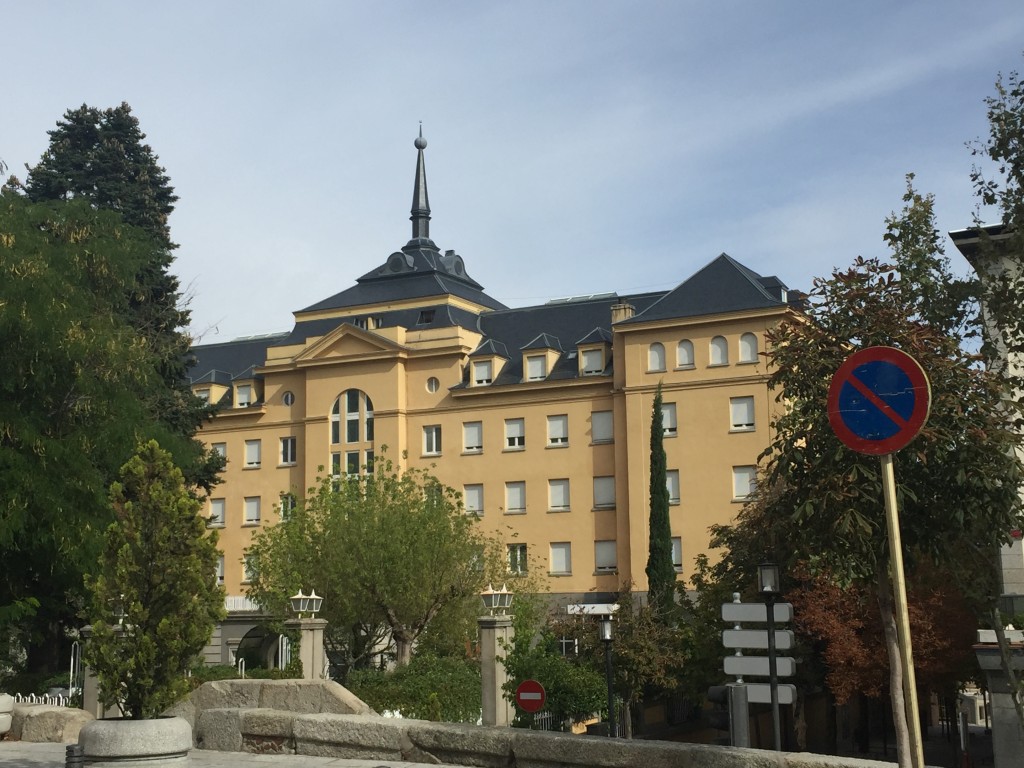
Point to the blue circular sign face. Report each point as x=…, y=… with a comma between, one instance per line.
x=878, y=400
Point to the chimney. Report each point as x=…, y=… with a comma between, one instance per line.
x=622, y=312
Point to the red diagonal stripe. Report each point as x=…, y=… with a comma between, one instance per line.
x=878, y=402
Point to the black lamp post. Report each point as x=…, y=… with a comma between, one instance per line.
x=605, y=633
x=768, y=586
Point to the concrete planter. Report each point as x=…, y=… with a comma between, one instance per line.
x=161, y=742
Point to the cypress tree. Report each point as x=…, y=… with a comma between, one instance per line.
x=661, y=574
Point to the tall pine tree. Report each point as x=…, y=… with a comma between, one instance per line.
x=661, y=574
x=100, y=156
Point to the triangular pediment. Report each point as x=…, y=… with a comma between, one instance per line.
x=348, y=341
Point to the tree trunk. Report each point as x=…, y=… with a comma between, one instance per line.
x=892, y=647
x=403, y=647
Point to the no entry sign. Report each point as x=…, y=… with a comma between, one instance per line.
x=878, y=400
x=530, y=696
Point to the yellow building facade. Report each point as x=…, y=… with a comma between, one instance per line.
x=540, y=416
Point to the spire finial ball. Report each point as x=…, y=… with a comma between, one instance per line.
x=420, y=143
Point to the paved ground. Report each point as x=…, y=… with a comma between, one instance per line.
x=23, y=754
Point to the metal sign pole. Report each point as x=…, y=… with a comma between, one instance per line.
x=902, y=616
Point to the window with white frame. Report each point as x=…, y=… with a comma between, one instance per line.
x=472, y=437
x=483, y=372
x=221, y=449
x=684, y=354
x=677, y=553
x=748, y=348
x=536, y=367
x=558, y=430
x=668, y=419
x=719, y=351
x=741, y=414
x=351, y=463
x=604, y=492
x=203, y=394
x=220, y=570
x=288, y=502
x=592, y=362
x=336, y=464
x=601, y=427
x=744, y=481
x=244, y=395
x=605, y=557
x=288, y=452
x=216, y=519
x=336, y=422
x=473, y=497
x=568, y=646
x=252, y=510
x=515, y=434
x=252, y=453
x=352, y=416
x=368, y=461
x=656, y=357
x=516, y=558
x=515, y=497
x=432, y=440
x=560, y=562
x=672, y=483
x=558, y=495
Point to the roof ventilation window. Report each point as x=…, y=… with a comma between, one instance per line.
x=426, y=317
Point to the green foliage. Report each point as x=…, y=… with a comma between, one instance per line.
x=428, y=688
x=154, y=599
x=392, y=549
x=574, y=691
x=661, y=573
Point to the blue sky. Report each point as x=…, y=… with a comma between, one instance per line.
x=574, y=147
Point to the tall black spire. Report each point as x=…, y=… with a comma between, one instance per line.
x=420, y=201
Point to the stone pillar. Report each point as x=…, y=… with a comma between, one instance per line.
x=90, y=685
x=311, y=647
x=1007, y=734
x=495, y=635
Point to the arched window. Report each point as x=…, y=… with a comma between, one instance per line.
x=748, y=348
x=684, y=354
x=351, y=425
x=719, y=351
x=656, y=357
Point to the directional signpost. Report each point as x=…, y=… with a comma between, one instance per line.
x=877, y=403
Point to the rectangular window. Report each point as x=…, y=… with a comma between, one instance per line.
x=677, y=553
x=744, y=480
x=568, y=646
x=252, y=510
x=741, y=413
x=220, y=571
x=335, y=465
x=561, y=558
x=368, y=458
x=601, y=427
x=248, y=569
x=203, y=394
x=473, y=496
x=558, y=430
x=605, y=557
x=604, y=492
x=482, y=372
x=221, y=449
x=352, y=428
x=352, y=463
x=287, y=505
x=244, y=395
x=515, y=498
x=473, y=437
x=672, y=482
x=216, y=513
x=252, y=453
x=593, y=362
x=515, y=433
x=432, y=440
x=558, y=495
x=516, y=558
x=288, y=450
x=668, y=418
x=536, y=367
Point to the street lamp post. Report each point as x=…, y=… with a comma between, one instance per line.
x=311, y=633
x=768, y=586
x=605, y=633
x=496, y=637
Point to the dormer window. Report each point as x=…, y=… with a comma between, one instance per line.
x=244, y=394
x=536, y=368
x=203, y=394
x=426, y=317
x=592, y=362
x=483, y=372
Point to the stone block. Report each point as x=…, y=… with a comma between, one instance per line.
x=462, y=744
x=809, y=760
x=219, y=729
x=350, y=736
x=266, y=722
x=341, y=701
x=42, y=722
x=228, y=694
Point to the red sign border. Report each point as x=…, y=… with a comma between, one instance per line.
x=922, y=405
x=532, y=705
